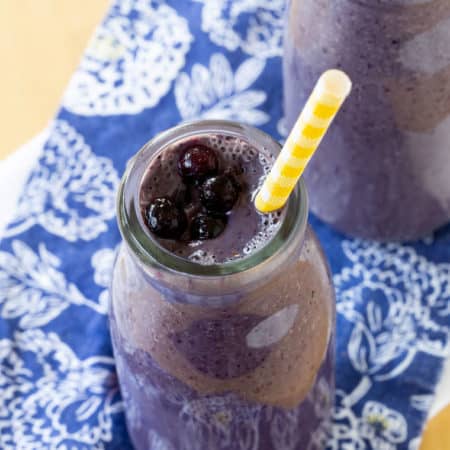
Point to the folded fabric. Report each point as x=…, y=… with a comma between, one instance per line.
x=150, y=65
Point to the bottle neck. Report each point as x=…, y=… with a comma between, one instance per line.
x=216, y=281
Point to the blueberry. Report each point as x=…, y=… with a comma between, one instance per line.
x=219, y=194
x=207, y=227
x=197, y=162
x=165, y=219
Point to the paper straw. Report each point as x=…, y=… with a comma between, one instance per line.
x=320, y=109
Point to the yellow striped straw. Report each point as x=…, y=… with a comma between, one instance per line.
x=322, y=106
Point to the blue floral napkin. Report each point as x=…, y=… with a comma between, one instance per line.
x=150, y=65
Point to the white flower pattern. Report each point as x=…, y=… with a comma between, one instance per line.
x=378, y=427
x=263, y=35
x=44, y=387
x=422, y=402
x=392, y=295
x=102, y=262
x=282, y=128
x=381, y=426
x=33, y=290
x=396, y=302
x=131, y=61
x=214, y=92
x=72, y=191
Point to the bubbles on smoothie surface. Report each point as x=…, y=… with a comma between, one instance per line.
x=196, y=198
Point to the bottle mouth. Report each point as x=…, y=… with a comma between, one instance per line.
x=152, y=255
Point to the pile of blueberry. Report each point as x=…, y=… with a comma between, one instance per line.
x=198, y=166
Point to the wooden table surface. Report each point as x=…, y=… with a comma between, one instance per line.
x=41, y=43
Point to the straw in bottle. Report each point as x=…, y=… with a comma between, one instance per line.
x=325, y=101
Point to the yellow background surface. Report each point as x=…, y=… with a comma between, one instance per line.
x=41, y=43
x=437, y=432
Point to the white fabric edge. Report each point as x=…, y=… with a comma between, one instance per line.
x=14, y=172
x=442, y=393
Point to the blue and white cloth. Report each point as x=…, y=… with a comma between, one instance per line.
x=150, y=65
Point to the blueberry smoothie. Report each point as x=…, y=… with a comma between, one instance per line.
x=222, y=318
x=209, y=180
x=383, y=169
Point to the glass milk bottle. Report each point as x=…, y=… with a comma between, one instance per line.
x=236, y=355
x=383, y=170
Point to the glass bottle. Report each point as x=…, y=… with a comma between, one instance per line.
x=236, y=355
x=383, y=170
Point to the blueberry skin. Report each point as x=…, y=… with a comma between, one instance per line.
x=197, y=162
x=220, y=193
x=165, y=219
x=207, y=227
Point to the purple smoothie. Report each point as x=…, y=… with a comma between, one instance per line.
x=246, y=229
x=235, y=349
x=383, y=168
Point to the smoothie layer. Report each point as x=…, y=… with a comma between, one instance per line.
x=259, y=372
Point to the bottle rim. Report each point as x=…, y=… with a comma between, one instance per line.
x=152, y=255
